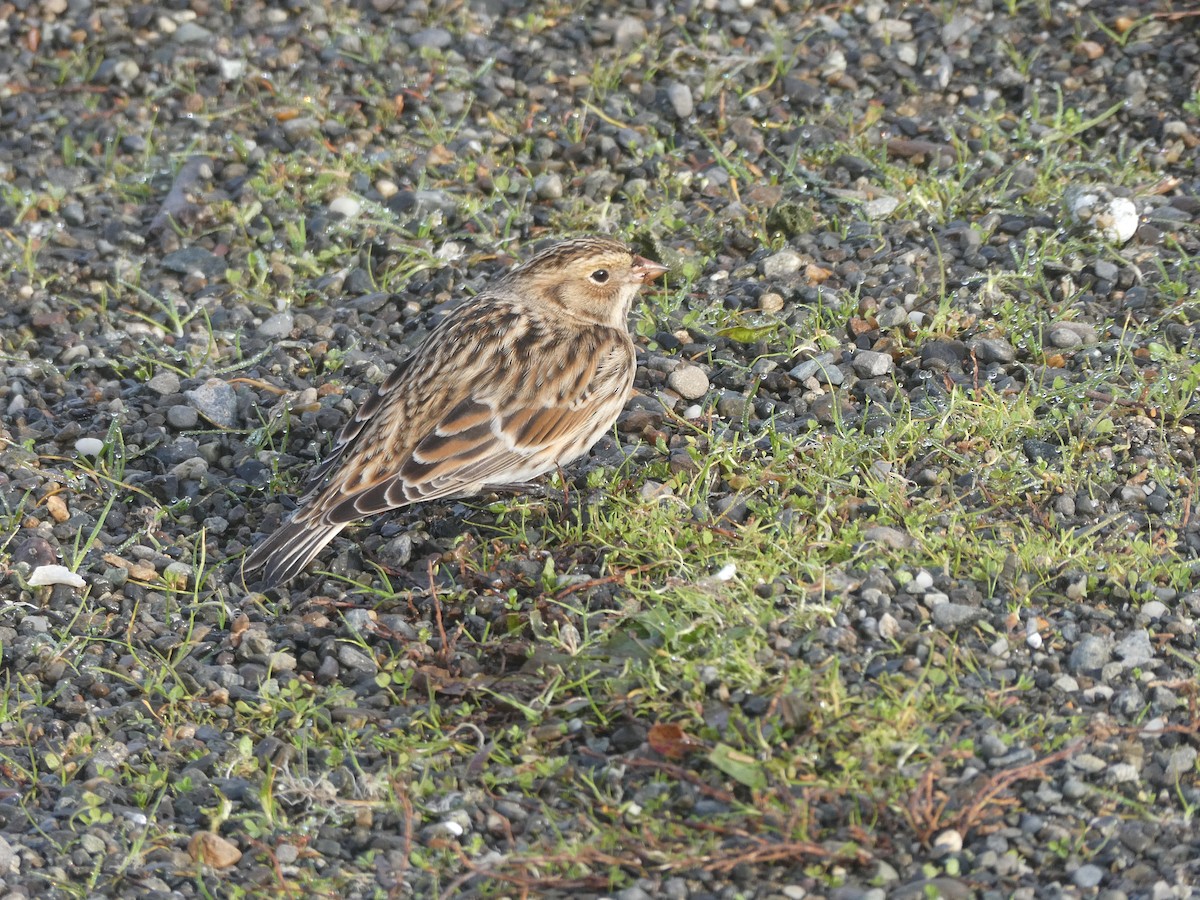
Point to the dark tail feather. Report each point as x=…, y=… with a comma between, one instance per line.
x=292, y=547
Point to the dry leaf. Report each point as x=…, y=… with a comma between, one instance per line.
x=669, y=740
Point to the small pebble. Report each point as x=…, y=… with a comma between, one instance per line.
x=48, y=575
x=548, y=186
x=680, y=97
x=870, y=364
x=216, y=400
x=182, y=417
x=89, y=446
x=346, y=206
x=1087, y=876
x=782, y=264
x=689, y=382
x=279, y=325
x=770, y=302
x=949, y=841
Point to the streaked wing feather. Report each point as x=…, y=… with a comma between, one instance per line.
x=451, y=462
x=547, y=425
x=354, y=428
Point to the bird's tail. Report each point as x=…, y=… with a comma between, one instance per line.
x=288, y=550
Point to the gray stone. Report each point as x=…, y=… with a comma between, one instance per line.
x=359, y=621
x=397, y=552
x=10, y=862
x=164, y=383
x=821, y=368
x=871, y=363
x=680, y=97
x=889, y=627
x=1153, y=610
x=732, y=406
x=771, y=302
x=892, y=30
x=1066, y=684
x=991, y=746
x=1182, y=761
x=186, y=260
x=888, y=536
x=782, y=264
x=1135, y=649
x=353, y=658
x=216, y=524
x=191, y=33
x=278, y=326
x=956, y=615
x=1064, y=338
x=630, y=32
x=921, y=582
x=892, y=316
x=216, y=401
x=689, y=382
x=432, y=39
x=1065, y=335
x=1075, y=788
x=182, y=417
x=1088, y=875
x=1090, y=654
x=548, y=186
x=430, y=201
x=1122, y=773
x=301, y=127
x=988, y=350
x=880, y=207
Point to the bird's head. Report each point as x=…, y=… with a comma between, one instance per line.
x=593, y=278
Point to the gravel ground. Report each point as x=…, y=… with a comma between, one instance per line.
x=219, y=228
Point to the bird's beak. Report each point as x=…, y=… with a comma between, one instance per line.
x=646, y=270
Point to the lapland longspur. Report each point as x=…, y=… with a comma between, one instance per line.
x=521, y=379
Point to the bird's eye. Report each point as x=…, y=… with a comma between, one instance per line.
x=599, y=276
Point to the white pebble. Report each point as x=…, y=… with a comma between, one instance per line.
x=949, y=840
x=1032, y=637
x=44, y=575
x=1118, y=221
x=726, y=572
x=89, y=446
x=345, y=205
x=921, y=582
x=889, y=628
x=231, y=69
x=1114, y=219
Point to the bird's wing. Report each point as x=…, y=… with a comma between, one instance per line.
x=507, y=429
x=352, y=429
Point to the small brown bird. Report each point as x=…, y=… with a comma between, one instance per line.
x=521, y=379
